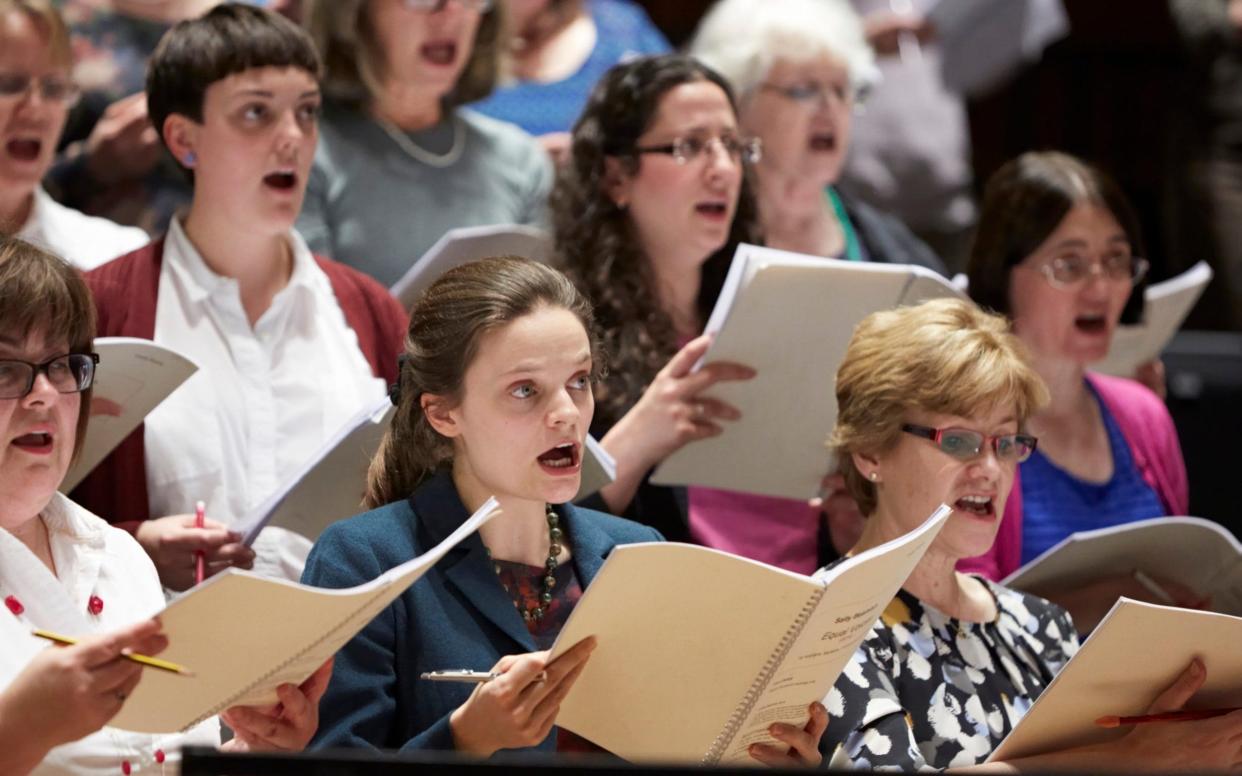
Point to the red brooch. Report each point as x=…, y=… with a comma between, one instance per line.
x=159, y=756
x=126, y=768
x=14, y=605
x=94, y=605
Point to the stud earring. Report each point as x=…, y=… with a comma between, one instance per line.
x=190, y=159
x=874, y=476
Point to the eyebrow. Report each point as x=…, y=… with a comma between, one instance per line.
x=269, y=93
x=528, y=366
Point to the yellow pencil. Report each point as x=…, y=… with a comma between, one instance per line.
x=153, y=662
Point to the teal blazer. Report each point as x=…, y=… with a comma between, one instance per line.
x=456, y=616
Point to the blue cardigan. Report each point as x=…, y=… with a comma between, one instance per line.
x=456, y=616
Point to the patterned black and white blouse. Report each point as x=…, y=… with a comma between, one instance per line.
x=925, y=691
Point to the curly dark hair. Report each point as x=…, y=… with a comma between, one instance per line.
x=596, y=241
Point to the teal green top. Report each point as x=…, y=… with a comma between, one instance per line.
x=853, y=248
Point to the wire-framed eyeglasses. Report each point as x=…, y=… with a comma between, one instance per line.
x=690, y=147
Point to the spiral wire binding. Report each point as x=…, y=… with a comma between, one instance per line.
x=757, y=688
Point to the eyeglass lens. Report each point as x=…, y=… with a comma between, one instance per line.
x=966, y=444
x=67, y=374
x=51, y=88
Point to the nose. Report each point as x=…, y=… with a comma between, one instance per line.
x=986, y=465
x=563, y=410
x=41, y=391
x=721, y=165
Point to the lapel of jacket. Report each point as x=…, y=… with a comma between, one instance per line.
x=467, y=567
x=589, y=543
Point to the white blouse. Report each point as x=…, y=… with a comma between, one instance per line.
x=83, y=241
x=263, y=400
x=92, y=559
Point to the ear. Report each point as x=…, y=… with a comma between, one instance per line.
x=867, y=465
x=441, y=414
x=181, y=136
x=617, y=182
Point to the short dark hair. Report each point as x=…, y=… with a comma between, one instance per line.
x=1023, y=203
x=40, y=292
x=229, y=39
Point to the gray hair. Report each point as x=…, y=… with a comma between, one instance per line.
x=742, y=39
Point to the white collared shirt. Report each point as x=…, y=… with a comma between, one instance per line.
x=263, y=400
x=92, y=559
x=83, y=241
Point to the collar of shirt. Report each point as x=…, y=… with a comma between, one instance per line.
x=33, y=230
x=307, y=283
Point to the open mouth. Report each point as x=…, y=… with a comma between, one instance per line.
x=712, y=209
x=564, y=458
x=39, y=442
x=440, y=53
x=823, y=141
x=979, y=506
x=24, y=149
x=281, y=181
x=1091, y=324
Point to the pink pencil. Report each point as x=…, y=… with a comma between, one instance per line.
x=200, y=513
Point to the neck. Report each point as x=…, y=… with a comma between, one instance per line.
x=795, y=214
x=678, y=294
x=408, y=106
x=261, y=263
x=519, y=533
x=15, y=209
x=934, y=580
x=1069, y=399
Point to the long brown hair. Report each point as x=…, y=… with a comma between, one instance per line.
x=446, y=326
x=596, y=240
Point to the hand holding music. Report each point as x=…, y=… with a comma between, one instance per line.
x=517, y=709
x=802, y=744
x=288, y=725
x=90, y=677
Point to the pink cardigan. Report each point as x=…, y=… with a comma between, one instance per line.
x=1148, y=429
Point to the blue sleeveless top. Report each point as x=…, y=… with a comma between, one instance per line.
x=1056, y=504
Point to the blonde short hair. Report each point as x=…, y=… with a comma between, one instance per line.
x=48, y=19
x=353, y=63
x=742, y=39
x=944, y=356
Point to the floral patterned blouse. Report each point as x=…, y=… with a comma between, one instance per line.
x=926, y=691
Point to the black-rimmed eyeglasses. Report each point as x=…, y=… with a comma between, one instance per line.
x=68, y=374
x=965, y=444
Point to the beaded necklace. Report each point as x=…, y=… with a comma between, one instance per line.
x=549, y=581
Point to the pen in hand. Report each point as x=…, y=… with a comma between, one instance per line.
x=200, y=514
x=470, y=677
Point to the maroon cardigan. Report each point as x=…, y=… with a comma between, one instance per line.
x=125, y=292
